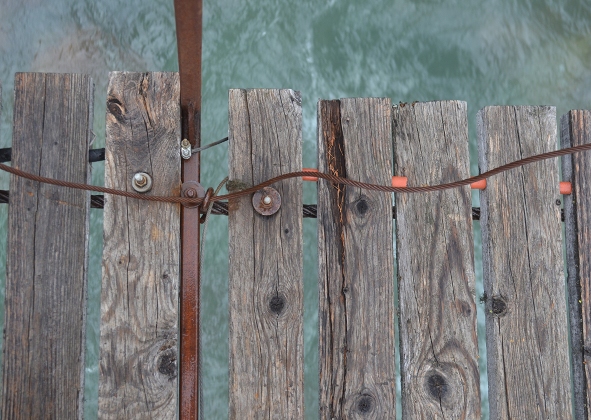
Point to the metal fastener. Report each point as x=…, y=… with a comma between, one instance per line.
x=192, y=189
x=142, y=182
x=266, y=201
x=185, y=149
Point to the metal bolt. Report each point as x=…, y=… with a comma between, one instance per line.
x=142, y=182
x=185, y=149
x=266, y=201
x=192, y=189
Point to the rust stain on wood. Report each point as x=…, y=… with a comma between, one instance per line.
x=354, y=227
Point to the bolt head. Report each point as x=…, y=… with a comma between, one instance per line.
x=266, y=201
x=192, y=189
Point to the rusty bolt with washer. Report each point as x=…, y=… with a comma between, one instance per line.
x=192, y=189
x=142, y=182
x=266, y=201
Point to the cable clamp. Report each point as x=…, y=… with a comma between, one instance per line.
x=185, y=149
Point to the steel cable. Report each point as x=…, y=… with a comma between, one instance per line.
x=329, y=177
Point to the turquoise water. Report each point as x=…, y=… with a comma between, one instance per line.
x=487, y=53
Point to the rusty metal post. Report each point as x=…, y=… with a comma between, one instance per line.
x=188, y=15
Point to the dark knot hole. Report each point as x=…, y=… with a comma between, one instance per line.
x=499, y=305
x=167, y=364
x=277, y=304
x=365, y=404
x=362, y=206
x=437, y=386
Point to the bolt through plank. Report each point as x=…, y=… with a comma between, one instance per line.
x=435, y=254
x=356, y=262
x=44, y=337
x=265, y=272
x=575, y=131
x=139, y=302
x=526, y=319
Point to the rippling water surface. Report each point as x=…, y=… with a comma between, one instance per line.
x=497, y=52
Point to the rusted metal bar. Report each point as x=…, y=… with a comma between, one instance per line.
x=188, y=15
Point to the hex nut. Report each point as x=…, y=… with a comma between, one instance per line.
x=192, y=189
x=142, y=182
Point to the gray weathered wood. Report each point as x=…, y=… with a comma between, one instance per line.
x=526, y=320
x=265, y=279
x=576, y=130
x=44, y=336
x=356, y=267
x=138, y=344
x=435, y=254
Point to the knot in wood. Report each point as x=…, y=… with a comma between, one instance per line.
x=116, y=109
x=277, y=304
x=437, y=386
x=361, y=206
x=365, y=404
x=499, y=305
x=167, y=364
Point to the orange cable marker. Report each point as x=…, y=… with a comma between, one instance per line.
x=566, y=188
x=478, y=185
x=309, y=178
x=399, y=181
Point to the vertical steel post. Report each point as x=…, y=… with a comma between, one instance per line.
x=188, y=15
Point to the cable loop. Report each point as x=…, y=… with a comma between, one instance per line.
x=207, y=200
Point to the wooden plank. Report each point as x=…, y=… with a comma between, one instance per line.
x=356, y=267
x=526, y=320
x=139, y=308
x=45, y=324
x=435, y=254
x=265, y=273
x=576, y=130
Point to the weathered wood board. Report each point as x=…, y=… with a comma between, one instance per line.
x=435, y=254
x=139, y=303
x=44, y=336
x=356, y=262
x=576, y=169
x=265, y=272
x=526, y=319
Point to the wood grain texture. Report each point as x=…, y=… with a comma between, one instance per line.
x=576, y=130
x=526, y=320
x=265, y=281
x=435, y=254
x=356, y=267
x=44, y=336
x=139, y=302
